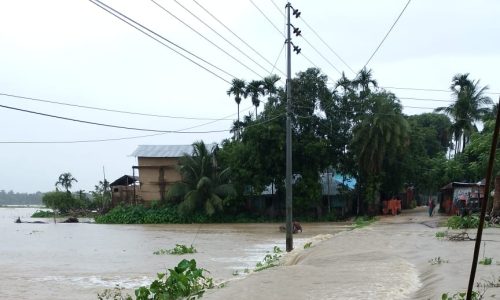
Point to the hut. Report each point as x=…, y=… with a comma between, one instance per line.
x=123, y=190
x=455, y=195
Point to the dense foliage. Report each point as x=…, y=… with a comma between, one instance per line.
x=185, y=281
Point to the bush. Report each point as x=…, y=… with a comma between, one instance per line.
x=177, y=250
x=486, y=261
x=61, y=201
x=43, y=214
x=184, y=281
x=457, y=222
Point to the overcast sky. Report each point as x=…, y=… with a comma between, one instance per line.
x=74, y=52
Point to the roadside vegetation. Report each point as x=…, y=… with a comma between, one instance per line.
x=270, y=260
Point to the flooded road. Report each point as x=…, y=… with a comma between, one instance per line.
x=76, y=261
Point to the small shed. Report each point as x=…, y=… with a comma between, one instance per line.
x=123, y=190
x=455, y=191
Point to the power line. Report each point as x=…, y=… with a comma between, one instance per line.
x=105, y=125
x=206, y=39
x=220, y=35
x=430, y=90
x=277, y=58
x=237, y=36
x=314, y=31
x=320, y=54
x=120, y=139
x=108, y=109
x=387, y=34
x=124, y=19
x=267, y=18
x=328, y=46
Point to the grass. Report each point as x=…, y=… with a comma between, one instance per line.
x=179, y=249
x=441, y=234
x=364, y=221
x=486, y=261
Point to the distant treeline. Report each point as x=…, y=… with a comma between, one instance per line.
x=11, y=198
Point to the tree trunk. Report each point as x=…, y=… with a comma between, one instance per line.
x=495, y=212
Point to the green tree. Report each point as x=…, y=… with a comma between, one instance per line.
x=382, y=132
x=469, y=107
x=101, y=196
x=254, y=89
x=238, y=90
x=66, y=181
x=204, y=187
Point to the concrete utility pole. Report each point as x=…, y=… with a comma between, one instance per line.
x=288, y=180
x=288, y=172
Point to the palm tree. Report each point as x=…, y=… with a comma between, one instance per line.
x=269, y=84
x=381, y=128
x=255, y=89
x=238, y=90
x=344, y=83
x=363, y=81
x=468, y=108
x=66, y=181
x=203, y=186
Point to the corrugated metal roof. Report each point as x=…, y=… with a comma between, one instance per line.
x=165, y=150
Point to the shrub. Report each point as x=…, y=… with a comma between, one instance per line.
x=177, y=250
x=486, y=261
x=457, y=222
x=43, y=214
x=270, y=260
x=183, y=281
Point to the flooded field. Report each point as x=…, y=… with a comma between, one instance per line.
x=75, y=261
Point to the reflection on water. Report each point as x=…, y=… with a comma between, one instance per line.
x=57, y=260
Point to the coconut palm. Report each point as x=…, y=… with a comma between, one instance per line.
x=66, y=181
x=255, y=89
x=469, y=107
x=203, y=187
x=238, y=90
x=381, y=130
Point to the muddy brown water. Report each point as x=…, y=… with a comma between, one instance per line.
x=76, y=261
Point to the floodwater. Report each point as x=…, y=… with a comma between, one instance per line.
x=76, y=261
x=390, y=259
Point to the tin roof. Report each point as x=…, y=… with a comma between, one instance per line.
x=165, y=150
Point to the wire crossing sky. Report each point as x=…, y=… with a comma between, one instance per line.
x=131, y=64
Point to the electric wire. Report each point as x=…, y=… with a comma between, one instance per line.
x=277, y=58
x=320, y=54
x=122, y=138
x=103, y=124
x=328, y=46
x=267, y=18
x=237, y=36
x=124, y=19
x=430, y=90
x=206, y=39
x=317, y=35
x=108, y=109
x=387, y=34
x=220, y=35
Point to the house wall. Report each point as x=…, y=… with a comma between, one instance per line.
x=156, y=175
